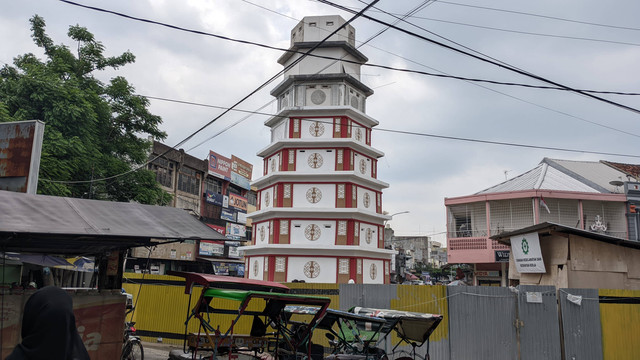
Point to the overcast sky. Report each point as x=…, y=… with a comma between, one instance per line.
x=586, y=44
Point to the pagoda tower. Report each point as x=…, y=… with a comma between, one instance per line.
x=319, y=213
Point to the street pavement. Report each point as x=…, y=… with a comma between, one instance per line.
x=158, y=351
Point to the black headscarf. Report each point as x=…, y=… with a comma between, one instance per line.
x=49, y=328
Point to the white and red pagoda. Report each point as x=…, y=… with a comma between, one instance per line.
x=319, y=216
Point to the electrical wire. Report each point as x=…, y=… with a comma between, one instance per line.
x=263, y=85
x=510, y=68
x=198, y=32
x=541, y=16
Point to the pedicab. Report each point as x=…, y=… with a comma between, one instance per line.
x=273, y=333
x=412, y=328
x=352, y=336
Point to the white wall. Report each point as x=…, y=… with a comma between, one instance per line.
x=326, y=124
x=262, y=228
x=273, y=164
x=373, y=230
x=362, y=195
x=326, y=159
x=279, y=131
x=327, y=229
x=327, y=191
x=259, y=260
x=267, y=198
x=357, y=160
x=366, y=271
x=328, y=272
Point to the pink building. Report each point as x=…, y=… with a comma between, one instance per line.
x=594, y=196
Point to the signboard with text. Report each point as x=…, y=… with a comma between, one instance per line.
x=527, y=254
x=214, y=198
x=502, y=255
x=211, y=248
x=238, y=202
x=240, y=181
x=236, y=230
x=219, y=166
x=227, y=215
x=241, y=167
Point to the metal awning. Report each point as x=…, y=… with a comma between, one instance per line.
x=52, y=224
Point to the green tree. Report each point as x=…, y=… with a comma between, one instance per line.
x=92, y=130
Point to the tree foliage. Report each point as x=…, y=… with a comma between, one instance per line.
x=93, y=130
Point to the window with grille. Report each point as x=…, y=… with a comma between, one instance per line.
x=164, y=171
x=467, y=220
x=343, y=266
x=280, y=264
x=605, y=217
x=561, y=211
x=188, y=182
x=510, y=215
x=213, y=185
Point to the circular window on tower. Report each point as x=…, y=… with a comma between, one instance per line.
x=312, y=232
x=315, y=160
x=316, y=129
x=354, y=102
x=314, y=195
x=318, y=97
x=311, y=269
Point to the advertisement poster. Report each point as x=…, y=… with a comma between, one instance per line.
x=221, y=229
x=527, y=254
x=238, y=202
x=228, y=215
x=241, y=218
x=219, y=166
x=240, y=181
x=233, y=252
x=236, y=230
x=214, y=198
x=211, y=248
x=241, y=167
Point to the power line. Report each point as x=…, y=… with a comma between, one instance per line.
x=263, y=85
x=541, y=16
x=510, y=68
x=198, y=32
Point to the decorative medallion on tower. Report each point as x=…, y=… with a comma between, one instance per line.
x=318, y=97
x=273, y=166
x=359, y=134
x=373, y=271
x=368, y=236
x=255, y=268
x=366, y=200
x=267, y=199
x=311, y=269
x=262, y=233
x=363, y=166
x=316, y=129
x=315, y=160
x=312, y=232
x=314, y=195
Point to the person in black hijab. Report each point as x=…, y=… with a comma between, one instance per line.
x=49, y=328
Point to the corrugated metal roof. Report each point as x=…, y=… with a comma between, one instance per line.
x=597, y=173
x=543, y=177
x=35, y=222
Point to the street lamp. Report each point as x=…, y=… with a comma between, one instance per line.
x=392, y=215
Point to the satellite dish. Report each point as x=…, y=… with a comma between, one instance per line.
x=616, y=183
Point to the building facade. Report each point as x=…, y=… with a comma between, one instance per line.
x=586, y=195
x=216, y=190
x=319, y=208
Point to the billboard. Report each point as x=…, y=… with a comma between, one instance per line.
x=211, y=248
x=20, y=150
x=228, y=215
x=219, y=166
x=214, y=198
x=235, y=231
x=238, y=202
x=241, y=172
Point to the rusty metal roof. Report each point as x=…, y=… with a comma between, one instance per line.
x=52, y=224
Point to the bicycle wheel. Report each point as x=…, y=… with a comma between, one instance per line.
x=132, y=351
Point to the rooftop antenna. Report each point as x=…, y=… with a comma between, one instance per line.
x=505, y=174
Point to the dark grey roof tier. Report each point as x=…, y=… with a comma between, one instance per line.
x=52, y=224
